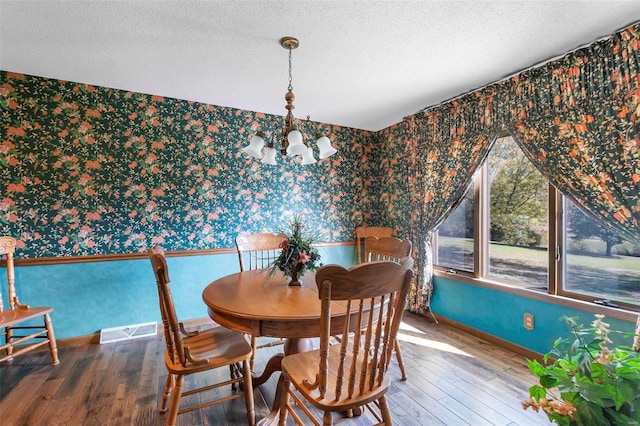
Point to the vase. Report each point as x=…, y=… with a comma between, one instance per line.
x=296, y=273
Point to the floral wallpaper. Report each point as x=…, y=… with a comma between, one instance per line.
x=394, y=206
x=90, y=170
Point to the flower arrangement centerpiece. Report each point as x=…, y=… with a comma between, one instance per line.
x=589, y=383
x=298, y=254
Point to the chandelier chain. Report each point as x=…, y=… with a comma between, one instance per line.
x=290, y=88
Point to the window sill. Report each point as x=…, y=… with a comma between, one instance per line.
x=537, y=293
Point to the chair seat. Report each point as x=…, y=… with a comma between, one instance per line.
x=14, y=316
x=219, y=345
x=303, y=368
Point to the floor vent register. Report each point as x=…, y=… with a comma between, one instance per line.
x=128, y=332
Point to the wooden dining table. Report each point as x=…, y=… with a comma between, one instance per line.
x=250, y=303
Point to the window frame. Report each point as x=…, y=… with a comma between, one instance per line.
x=556, y=248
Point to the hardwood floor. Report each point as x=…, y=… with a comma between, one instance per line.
x=454, y=379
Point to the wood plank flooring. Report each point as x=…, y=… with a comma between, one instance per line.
x=454, y=379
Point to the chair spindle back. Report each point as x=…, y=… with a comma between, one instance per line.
x=257, y=251
x=377, y=292
x=363, y=232
x=386, y=248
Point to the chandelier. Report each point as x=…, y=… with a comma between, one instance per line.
x=291, y=139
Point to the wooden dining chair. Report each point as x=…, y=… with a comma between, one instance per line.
x=397, y=250
x=386, y=248
x=352, y=374
x=19, y=323
x=257, y=251
x=363, y=232
x=198, y=351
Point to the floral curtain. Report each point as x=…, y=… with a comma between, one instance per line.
x=582, y=130
x=445, y=148
x=576, y=118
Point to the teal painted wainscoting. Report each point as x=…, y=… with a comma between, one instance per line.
x=502, y=314
x=90, y=296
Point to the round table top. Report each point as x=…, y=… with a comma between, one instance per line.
x=245, y=302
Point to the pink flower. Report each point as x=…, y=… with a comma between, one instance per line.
x=304, y=257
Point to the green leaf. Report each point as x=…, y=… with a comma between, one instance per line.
x=549, y=381
x=589, y=413
x=634, y=411
x=571, y=321
x=584, y=366
x=597, y=371
x=620, y=391
x=535, y=367
x=634, y=363
x=596, y=393
x=557, y=342
x=593, y=349
x=629, y=372
x=537, y=392
x=572, y=397
x=559, y=420
x=621, y=419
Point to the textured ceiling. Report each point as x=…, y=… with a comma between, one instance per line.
x=362, y=64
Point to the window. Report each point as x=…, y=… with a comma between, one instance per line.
x=518, y=216
x=454, y=243
x=598, y=262
x=504, y=235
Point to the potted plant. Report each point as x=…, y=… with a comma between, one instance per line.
x=588, y=383
x=298, y=254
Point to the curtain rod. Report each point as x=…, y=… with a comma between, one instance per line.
x=532, y=67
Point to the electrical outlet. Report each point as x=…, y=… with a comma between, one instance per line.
x=528, y=321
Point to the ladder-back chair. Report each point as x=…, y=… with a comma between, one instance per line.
x=257, y=251
x=386, y=248
x=19, y=323
x=363, y=232
x=198, y=351
x=394, y=249
x=347, y=376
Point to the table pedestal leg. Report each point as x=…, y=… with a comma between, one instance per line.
x=291, y=346
x=294, y=346
x=272, y=366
